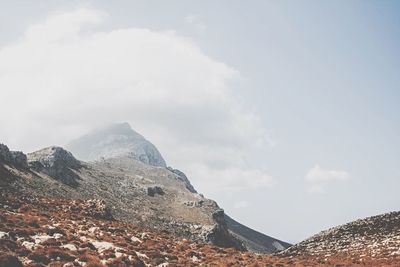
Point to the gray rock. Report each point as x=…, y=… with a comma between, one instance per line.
x=57, y=163
x=16, y=158
x=183, y=178
x=154, y=190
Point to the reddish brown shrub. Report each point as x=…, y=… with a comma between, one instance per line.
x=32, y=221
x=55, y=253
x=9, y=260
x=39, y=257
x=94, y=263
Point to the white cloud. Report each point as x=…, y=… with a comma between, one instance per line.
x=65, y=76
x=317, y=177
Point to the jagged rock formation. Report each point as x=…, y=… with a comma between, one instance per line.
x=115, y=141
x=57, y=163
x=253, y=240
x=376, y=237
x=17, y=158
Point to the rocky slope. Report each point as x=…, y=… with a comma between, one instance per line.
x=376, y=237
x=58, y=232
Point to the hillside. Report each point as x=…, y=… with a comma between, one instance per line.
x=36, y=231
x=376, y=237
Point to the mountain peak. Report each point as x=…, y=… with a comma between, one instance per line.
x=116, y=140
x=123, y=128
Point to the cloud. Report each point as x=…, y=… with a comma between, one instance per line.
x=199, y=25
x=317, y=177
x=66, y=76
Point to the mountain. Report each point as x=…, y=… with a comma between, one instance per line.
x=136, y=192
x=122, y=212
x=116, y=140
x=118, y=165
x=121, y=141
x=374, y=238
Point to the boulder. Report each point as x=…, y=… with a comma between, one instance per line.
x=154, y=190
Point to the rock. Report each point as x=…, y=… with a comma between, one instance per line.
x=54, y=157
x=153, y=190
x=17, y=158
x=218, y=234
x=218, y=216
x=57, y=163
x=97, y=208
x=181, y=176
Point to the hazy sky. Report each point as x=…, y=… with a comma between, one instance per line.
x=285, y=112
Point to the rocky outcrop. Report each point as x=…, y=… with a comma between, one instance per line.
x=117, y=140
x=16, y=158
x=219, y=235
x=154, y=190
x=181, y=176
x=57, y=163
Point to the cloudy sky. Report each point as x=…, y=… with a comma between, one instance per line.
x=285, y=112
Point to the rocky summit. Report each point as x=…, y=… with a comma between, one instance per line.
x=114, y=141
